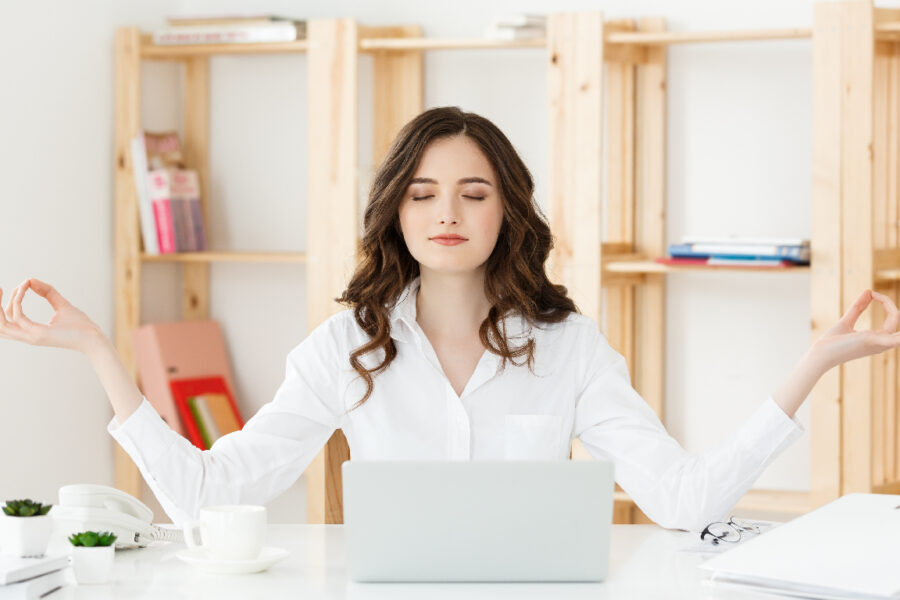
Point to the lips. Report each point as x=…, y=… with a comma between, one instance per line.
x=448, y=240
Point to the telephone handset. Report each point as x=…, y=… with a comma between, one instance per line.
x=101, y=508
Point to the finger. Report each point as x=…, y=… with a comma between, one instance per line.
x=47, y=291
x=18, y=315
x=9, y=304
x=857, y=308
x=893, y=313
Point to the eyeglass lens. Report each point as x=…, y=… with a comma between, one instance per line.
x=722, y=532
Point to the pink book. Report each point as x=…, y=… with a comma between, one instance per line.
x=173, y=351
x=159, y=181
x=185, y=188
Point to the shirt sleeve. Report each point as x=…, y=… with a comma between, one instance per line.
x=674, y=488
x=257, y=463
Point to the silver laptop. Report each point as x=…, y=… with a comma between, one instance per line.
x=477, y=521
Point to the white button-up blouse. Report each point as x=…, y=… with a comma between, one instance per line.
x=580, y=388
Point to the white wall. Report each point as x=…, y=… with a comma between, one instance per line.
x=739, y=147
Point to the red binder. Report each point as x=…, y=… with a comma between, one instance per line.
x=182, y=389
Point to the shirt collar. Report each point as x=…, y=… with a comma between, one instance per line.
x=403, y=318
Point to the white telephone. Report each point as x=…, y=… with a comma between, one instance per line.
x=84, y=507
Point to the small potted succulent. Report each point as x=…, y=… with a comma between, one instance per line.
x=92, y=556
x=28, y=527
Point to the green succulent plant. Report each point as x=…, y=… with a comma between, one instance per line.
x=25, y=508
x=91, y=539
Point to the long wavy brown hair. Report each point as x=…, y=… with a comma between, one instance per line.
x=515, y=278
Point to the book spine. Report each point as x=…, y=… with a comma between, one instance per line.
x=192, y=430
x=276, y=32
x=793, y=253
x=209, y=421
x=148, y=221
x=199, y=225
x=162, y=209
x=185, y=188
x=201, y=424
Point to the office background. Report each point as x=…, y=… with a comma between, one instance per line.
x=739, y=149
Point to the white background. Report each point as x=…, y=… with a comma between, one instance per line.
x=738, y=146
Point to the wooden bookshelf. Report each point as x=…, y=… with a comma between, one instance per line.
x=856, y=217
x=621, y=68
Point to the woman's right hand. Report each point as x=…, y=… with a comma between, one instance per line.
x=68, y=328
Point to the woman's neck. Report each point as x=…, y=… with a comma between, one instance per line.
x=451, y=305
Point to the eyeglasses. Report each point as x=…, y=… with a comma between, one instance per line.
x=728, y=531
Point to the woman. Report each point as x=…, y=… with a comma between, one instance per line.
x=456, y=346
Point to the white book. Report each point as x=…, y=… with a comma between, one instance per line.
x=36, y=587
x=279, y=31
x=521, y=20
x=514, y=33
x=734, y=239
x=145, y=207
x=14, y=568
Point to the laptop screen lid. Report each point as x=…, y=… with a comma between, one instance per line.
x=477, y=521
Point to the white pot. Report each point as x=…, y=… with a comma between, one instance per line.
x=93, y=564
x=26, y=536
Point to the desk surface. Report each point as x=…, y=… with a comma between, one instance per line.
x=645, y=563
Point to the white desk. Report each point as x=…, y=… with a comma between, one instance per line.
x=645, y=563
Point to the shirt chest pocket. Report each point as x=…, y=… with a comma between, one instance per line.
x=533, y=437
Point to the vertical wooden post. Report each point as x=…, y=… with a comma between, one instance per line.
x=619, y=214
x=575, y=86
x=399, y=86
x=857, y=45
x=575, y=80
x=195, y=276
x=648, y=373
x=842, y=257
x=332, y=220
x=127, y=241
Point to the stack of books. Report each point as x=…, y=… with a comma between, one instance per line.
x=517, y=27
x=229, y=29
x=32, y=578
x=171, y=215
x=736, y=251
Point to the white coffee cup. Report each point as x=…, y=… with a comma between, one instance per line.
x=229, y=532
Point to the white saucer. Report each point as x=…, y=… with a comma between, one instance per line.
x=199, y=558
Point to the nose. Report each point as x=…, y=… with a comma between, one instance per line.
x=447, y=210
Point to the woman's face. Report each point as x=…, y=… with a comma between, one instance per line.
x=453, y=193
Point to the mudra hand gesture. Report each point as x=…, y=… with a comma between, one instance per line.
x=68, y=328
x=842, y=342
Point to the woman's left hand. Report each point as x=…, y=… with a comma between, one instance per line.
x=842, y=343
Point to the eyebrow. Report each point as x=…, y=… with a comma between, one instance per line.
x=463, y=180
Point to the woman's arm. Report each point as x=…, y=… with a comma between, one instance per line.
x=71, y=328
x=253, y=465
x=838, y=345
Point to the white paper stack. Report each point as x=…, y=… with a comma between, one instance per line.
x=848, y=548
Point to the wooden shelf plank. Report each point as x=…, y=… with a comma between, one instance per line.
x=649, y=266
x=209, y=257
x=677, y=37
x=446, y=44
x=149, y=50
